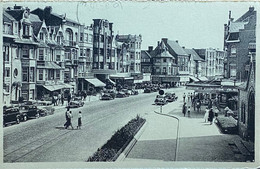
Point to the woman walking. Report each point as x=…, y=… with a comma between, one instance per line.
x=184, y=107
x=211, y=115
x=206, y=115
x=79, y=120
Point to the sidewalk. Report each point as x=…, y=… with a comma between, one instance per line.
x=198, y=141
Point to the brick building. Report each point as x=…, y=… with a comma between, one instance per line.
x=237, y=37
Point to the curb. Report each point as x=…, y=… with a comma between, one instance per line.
x=132, y=143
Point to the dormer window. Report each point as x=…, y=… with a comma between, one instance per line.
x=26, y=31
x=41, y=36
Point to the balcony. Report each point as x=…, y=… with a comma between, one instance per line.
x=85, y=74
x=103, y=71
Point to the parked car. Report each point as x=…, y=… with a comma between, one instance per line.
x=120, y=95
x=160, y=100
x=127, y=92
x=112, y=93
x=45, y=108
x=147, y=90
x=11, y=115
x=28, y=111
x=134, y=92
x=78, y=99
x=106, y=96
x=74, y=104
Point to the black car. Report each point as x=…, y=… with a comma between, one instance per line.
x=106, y=96
x=147, y=90
x=29, y=111
x=11, y=115
x=112, y=93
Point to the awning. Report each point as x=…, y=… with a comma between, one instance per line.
x=138, y=81
x=194, y=79
x=50, y=65
x=68, y=86
x=53, y=87
x=96, y=82
x=203, y=78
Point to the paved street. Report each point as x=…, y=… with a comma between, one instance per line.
x=44, y=139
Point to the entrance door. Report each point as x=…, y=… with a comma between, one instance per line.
x=251, y=117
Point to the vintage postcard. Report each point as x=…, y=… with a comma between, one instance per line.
x=129, y=84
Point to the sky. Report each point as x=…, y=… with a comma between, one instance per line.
x=193, y=24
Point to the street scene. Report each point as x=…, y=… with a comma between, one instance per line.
x=86, y=86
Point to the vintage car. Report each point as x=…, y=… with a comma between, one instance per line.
x=28, y=111
x=147, y=90
x=169, y=97
x=112, y=93
x=120, y=95
x=160, y=100
x=127, y=92
x=11, y=115
x=134, y=92
x=106, y=96
x=75, y=104
x=78, y=99
x=45, y=108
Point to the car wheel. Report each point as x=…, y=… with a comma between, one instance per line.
x=17, y=120
x=25, y=118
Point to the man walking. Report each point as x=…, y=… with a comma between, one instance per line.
x=184, y=108
x=184, y=96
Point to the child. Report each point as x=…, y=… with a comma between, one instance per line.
x=188, y=111
x=79, y=120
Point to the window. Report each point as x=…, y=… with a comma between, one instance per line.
x=233, y=51
x=31, y=94
x=86, y=37
x=26, y=30
x=58, y=58
x=81, y=52
x=233, y=70
x=40, y=74
x=25, y=74
x=164, y=59
x=90, y=37
x=32, y=74
x=81, y=37
x=58, y=74
x=41, y=36
x=164, y=69
x=15, y=72
x=6, y=53
x=15, y=27
x=7, y=72
x=25, y=52
x=41, y=54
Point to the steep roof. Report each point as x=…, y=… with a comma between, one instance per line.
x=145, y=55
x=236, y=26
x=7, y=17
x=34, y=18
x=36, y=27
x=16, y=14
x=249, y=13
x=196, y=57
x=175, y=47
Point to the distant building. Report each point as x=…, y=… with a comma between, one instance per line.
x=146, y=60
x=22, y=47
x=238, y=36
x=131, y=52
x=214, y=62
x=195, y=63
x=164, y=67
x=181, y=58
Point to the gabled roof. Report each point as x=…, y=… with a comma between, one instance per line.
x=7, y=17
x=34, y=18
x=145, y=55
x=249, y=13
x=36, y=27
x=16, y=14
x=236, y=26
x=196, y=57
x=175, y=47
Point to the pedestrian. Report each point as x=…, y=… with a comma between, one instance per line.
x=59, y=99
x=216, y=112
x=206, y=115
x=62, y=99
x=188, y=111
x=66, y=117
x=79, y=120
x=198, y=104
x=211, y=116
x=184, y=107
x=184, y=96
x=69, y=116
x=188, y=97
x=191, y=98
x=209, y=103
x=53, y=100
x=69, y=98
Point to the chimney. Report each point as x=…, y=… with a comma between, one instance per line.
x=165, y=40
x=177, y=41
x=150, y=48
x=158, y=43
x=229, y=16
x=251, y=8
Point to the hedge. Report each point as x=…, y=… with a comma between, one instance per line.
x=118, y=142
x=227, y=124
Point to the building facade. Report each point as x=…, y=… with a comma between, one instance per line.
x=238, y=35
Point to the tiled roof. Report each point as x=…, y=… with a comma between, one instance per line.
x=175, y=47
x=34, y=18
x=16, y=14
x=7, y=17
x=196, y=57
x=145, y=54
x=36, y=27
